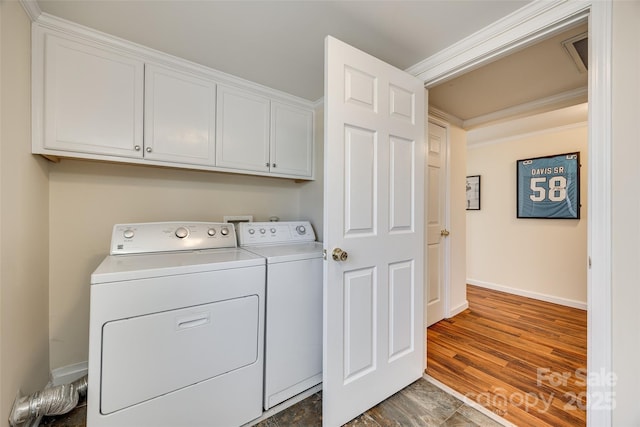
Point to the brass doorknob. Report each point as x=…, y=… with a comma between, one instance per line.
x=444, y=233
x=339, y=255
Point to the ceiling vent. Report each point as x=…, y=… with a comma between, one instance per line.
x=578, y=49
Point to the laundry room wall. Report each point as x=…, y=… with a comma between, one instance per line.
x=88, y=198
x=540, y=258
x=24, y=223
x=312, y=192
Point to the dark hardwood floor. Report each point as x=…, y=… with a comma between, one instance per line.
x=522, y=358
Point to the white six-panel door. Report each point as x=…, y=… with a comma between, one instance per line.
x=437, y=232
x=374, y=341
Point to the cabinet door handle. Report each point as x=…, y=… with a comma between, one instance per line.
x=267, y=164
x=273, y=164
x=148, y=149
x=136, y=147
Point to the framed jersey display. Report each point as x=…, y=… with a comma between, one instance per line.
x=549, y=187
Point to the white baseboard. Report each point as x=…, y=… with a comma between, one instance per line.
x=582, y=305
x=69, y=373
x=459, y=309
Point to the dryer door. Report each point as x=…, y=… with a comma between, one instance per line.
x=147, y=356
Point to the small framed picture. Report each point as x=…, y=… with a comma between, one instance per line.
x=473, y=193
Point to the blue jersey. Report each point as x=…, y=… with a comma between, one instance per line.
x=549, y=187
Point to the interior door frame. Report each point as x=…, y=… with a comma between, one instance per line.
x=526, y=26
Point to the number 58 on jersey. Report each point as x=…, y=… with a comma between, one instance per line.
x=549, y=187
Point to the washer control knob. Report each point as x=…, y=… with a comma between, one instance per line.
x=128, y=234
x=262, y=231
x=273, y=230
x=224, y=231
x=301, y=229
x=181, y=233
x=252, y=231
x=211, y=232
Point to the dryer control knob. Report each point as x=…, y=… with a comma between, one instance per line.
x=252, y=231
x=128, y=234
x=181, y=233
x=211, y=232
x=262, y=231
x=224, y=231
x=301, y=229
x=273, y=231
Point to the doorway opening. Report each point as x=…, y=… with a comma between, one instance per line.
x=474, y=123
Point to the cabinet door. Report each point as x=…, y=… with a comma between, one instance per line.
x=93, y=99
x=242, y=133
x=291, y=140
x=179, y=117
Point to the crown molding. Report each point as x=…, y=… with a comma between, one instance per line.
x=551, y=103
x=529, y=125
x=32, y=8
x=554, y=102
x=445, y=117
x=473, y=144
x=527, y=25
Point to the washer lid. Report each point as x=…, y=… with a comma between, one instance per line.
x=117, y=268
x=288, y=252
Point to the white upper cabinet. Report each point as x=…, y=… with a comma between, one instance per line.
x=179, y=117
x=102, y=98
x=258, y=134
x=242, y=138
x=93, y=99
x=291, y=140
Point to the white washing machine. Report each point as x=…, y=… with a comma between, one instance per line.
x=293, y=336
x=176, y=329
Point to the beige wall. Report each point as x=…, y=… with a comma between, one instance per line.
x=88, y=198
x=458, y=225
x=24, y=347
x=312, y=192
x=626, y=211
x=542, y=258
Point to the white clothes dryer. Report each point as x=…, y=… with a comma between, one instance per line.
x=176, y=328
x=293, y=335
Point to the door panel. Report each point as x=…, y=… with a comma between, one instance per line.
x=374, y=210
x=402, y=160
x=401, y=304
x=360, y=180
x=359, y=325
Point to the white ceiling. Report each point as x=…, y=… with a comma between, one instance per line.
x=280, y=44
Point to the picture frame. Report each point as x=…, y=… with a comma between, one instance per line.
x=548, y=187
x=473, y=193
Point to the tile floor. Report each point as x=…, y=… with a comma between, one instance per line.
x=419, y=404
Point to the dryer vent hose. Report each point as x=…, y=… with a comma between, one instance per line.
x=50, y=401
